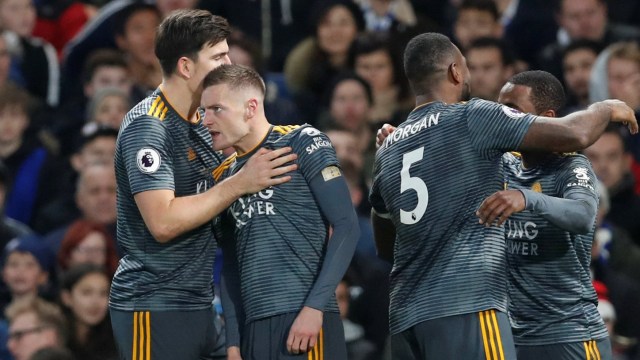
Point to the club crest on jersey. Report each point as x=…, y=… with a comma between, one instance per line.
x=581, y=173
x=512, y=113
x=310, y=131
x=148, y=160
x=536, y=187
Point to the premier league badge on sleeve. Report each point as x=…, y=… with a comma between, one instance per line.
x=512, y=113
x=148, y=160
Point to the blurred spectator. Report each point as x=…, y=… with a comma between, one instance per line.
x=476, y=19
x=88, y=243
x=167, y=6
x=104, y=69
x=377, y=61
x=346, y=146
x=325, y=54
x=358, y=347
x=59, y=21
x=85, y=299
x=612, y=164
x=34, y=324
x=32, y=166
x=35, y=59
x=577, y=61
x=490, y=62
x=278, y=28
x=27, y=264
x=387, y=15
x=5, y=60
x=277, y=103
x=623, y=72
x=9, y=228
x=95, y=199
x=52, y=353
x=135, y=30
x=107, y=108
x=582, y=19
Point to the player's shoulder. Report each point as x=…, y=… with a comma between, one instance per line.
x=568, y=160
x=149, y=113
x=223, y=167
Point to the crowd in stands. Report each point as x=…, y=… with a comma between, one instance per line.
x=71, y=69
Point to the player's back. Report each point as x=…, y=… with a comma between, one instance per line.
x=158, y=149
x=430, y=176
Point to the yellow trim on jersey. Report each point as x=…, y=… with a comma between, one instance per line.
x=285, y=129
x=217, y=172
x=164, y=113
x=155, y=102
x=591, y=350
x=492, y=345
x=586, y=350
x=321, y=344
x=148, y=335
x=159, y=108
x=134, y=356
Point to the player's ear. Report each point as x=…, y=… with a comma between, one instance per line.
x=251, y=107
x=184, y=67
x=454, y=73
x=549, y=113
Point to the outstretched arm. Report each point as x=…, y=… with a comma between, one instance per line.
x=578, y=130
x=340, y=213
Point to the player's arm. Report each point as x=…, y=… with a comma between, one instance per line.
x=230, y=294
x=575, y=213
x=384, y=234
x=338, y=210
x=578, y=130
x=167, y=216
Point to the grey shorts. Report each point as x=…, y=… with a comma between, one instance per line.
x=586, y=350
x=483, y=336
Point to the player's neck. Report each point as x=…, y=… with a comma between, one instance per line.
x=439, y=94
x=254, y=138
x=181, y=97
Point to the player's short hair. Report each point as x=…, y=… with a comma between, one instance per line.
x=185, y=33
x=236, y=76
x=625, y=51
x=582, y=44
x=488, y=6
x=547, y=92
x=506, y=54
x=426, y=60
x=102, y=58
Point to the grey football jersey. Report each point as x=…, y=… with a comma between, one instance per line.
x=430, y=176
x=158, y=149
x=551, y=297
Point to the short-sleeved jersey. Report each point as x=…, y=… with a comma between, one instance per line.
x=280, y=232
x=430, y=177
x=158, y=149
x=551, y=297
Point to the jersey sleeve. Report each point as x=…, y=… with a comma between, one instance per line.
x=315, y=153
x=147, y=150
x=375, y=196
x=494, y=127
x=576, y=176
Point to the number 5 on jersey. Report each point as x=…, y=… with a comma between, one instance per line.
x=408, y=182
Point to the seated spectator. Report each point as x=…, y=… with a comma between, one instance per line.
x=59, y=21
x=85, y=299
x=491, y=64
x=53, y=353
x=379, y=63
x=95, y=200
x=96, y=147
x=107, y=108
x=32, y=165
x=476, y=19
x=387, y=15
x=611, y=162
x=104, y=69
x=320, y=57
x=5, y=60
x=577, y=62
x=9, y=228
x=34, y=324
x=88, y=243
x=35, y=59
x=27, y=263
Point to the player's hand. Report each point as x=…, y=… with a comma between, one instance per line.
x=383, y=133
x=265, y=168
x=622, y=113
x=304, y=331
x=500, y=206
x=233, y=353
